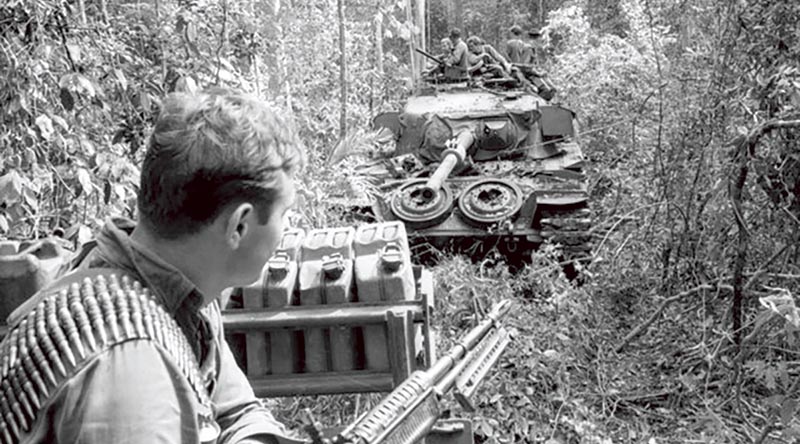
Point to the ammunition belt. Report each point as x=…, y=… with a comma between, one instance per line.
x=69, y=327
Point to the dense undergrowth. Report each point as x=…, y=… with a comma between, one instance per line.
x=575, y=373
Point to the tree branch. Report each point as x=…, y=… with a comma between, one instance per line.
x=656, y=314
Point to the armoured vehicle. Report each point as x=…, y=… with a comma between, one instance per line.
x=483, y=165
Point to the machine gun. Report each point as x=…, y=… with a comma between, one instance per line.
x=446, y=72
x=410, y=412
x=430, y=56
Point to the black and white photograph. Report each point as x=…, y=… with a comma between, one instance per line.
x=399, y=222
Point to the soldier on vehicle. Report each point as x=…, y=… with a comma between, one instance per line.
x=129, y=346
x=459, y=54
x=515, y=46
x=445, y=49
x=527, y=65
x=535, y=43
x=484, y=59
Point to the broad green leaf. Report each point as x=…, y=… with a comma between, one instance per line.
x=67, y=101
x=106, y=192
x=87, y=147
x=3, y=224
x=405, y=33
x=78, y=233
x=144, y=101
x=85, y=179
x=180, y=24
x=23, y=103
x=552, y=355
x=118, y=136
x=45, y=126
x=119, y=191
x=190, y=32
x=74, y=52
x=186, y=84
x=120, y=76
x=85, y=84
x=225, y=75
x=60, y=122
x=788, y=408
x=10, y=188
x=29, y=196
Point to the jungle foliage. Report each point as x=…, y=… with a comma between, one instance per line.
x=686, y=328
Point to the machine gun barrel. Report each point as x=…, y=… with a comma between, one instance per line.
x=430, y=56
x=455, y=153
x=411, y=410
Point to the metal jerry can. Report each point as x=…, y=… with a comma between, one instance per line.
x=275, y=352
x=26, y=267
x=326, y=278
x=383, y=273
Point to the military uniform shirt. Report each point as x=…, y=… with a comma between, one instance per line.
x=134, y=393
x=515, y=51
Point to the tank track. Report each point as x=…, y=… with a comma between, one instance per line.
x=571, y=230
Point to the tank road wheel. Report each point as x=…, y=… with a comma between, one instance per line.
x=490, y=201
x=421, y=207
x=570, y=229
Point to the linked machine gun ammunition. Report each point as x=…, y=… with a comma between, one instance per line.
x=410, y=412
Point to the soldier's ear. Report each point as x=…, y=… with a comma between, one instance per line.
x=237, y=224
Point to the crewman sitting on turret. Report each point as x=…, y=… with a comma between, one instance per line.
x=516, y=49
x=446, y=49
x=484, y=59
x=458, y=56
x=526, y=65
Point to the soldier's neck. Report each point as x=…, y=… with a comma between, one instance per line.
x=191, y=255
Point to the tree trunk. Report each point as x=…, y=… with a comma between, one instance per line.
x=459, y=13
x=411, y=40
x=541, y=13
x=422, y=23
x=342, y=72
x=742, y=239
x=379, y=42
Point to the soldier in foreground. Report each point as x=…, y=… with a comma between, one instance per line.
x=129, y=347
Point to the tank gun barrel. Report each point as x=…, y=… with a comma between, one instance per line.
x=454, y=154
